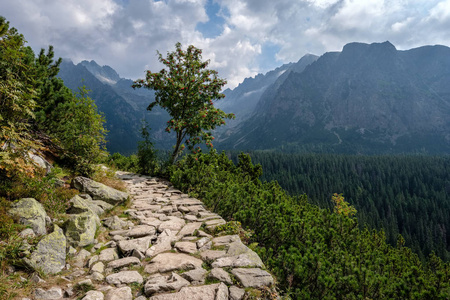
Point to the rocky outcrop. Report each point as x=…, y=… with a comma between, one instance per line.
x=99, y=191
x=31, y=213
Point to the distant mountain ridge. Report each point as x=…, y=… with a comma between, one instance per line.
x=369, y=98
x=124, y=108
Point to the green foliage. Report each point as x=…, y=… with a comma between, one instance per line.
x=122, y=162
x=403, y=194
x=314, y=253
x=341, y=206
x=187, y=89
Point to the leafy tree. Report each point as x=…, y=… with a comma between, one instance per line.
x=187, y=89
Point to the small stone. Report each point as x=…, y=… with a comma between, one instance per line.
x=197, y=275
x=123, y=293
x=253, y=277
x=108, y=254
x=203, y=241
x=221, y=275
x=27, y=233
x=159, y=283
x=93, y=295
x=236, y=293
x=92, y=261
x=97, y=276
x=166, y=262
x=186, y=247
x=52, y=294
x=138, y=254
x=36, y=279
x=98, y=267
x=124, y=262
x=81, y=257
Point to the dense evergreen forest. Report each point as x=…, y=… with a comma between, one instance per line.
x=407, y=195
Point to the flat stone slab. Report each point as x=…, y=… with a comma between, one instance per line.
x=211, y=255
x=159, y=283
x=135, y=232
x=189, y=229
x=173, y=223
x=225, y=240
x=186, y=247
x=253, y=277
x=218, y=291
x=166, y=262
x=124, y=277
x=141, y=244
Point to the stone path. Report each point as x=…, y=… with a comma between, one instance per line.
x=163, y=249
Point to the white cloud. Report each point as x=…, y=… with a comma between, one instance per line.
x=127, y=34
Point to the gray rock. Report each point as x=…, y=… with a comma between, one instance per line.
x=36, y=279
x=253, y=277
x=80, y=229
x=135, y=232
x=27, y=233
x=98, y=267
x=92, y=261
x=124, y=277
x=221, y=275
x=243, y=260
x=236, y=293
x=99, y=191
x=124, y=262
x=138, y=254
x=80, y=258
x=140, y=244
x=84, y=204
x=211, y=255
x=30, y=213
x=93, y=295
x=186, y=247
x=173, y=224
x=140, y=298
x=202, y=242
x=52, y=294
x=189, y=229
x=197, y=275
x=222, y=292
x=203, y=292
x=97, y=276
x=225, y=240
x=114, y=223
x=50, y=254
x=159, y=283
x=123, y=293
x=108, y=254
x=166, y=262
x=104, y=205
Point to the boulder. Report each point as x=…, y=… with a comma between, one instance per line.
x=30, y=213
x=80, y=229
x=50, y=253
x=84, y=204
x=124, y=262
x=99, y=191
x=108, y=254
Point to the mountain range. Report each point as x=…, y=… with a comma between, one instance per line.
x=368, y=98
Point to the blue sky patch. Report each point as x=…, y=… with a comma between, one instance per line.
x=214, y=26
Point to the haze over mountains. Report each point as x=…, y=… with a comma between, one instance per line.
x=368, y=98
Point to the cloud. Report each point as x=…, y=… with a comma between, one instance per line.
x=239, y=37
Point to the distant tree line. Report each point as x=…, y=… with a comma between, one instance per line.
x=401, y=194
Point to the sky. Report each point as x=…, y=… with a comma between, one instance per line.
x=240, y=38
